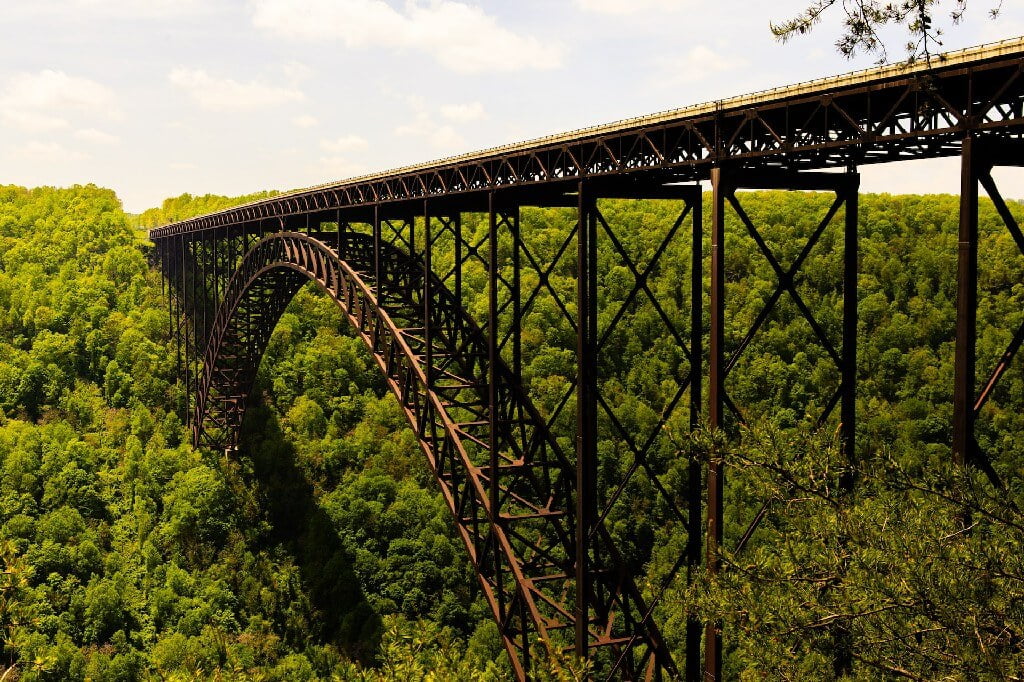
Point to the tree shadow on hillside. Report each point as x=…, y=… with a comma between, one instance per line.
x=346, y=618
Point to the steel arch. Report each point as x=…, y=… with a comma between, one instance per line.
x=514, y=508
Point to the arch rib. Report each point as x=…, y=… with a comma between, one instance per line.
x=521, y=549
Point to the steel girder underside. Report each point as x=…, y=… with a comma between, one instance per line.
x=503, y=475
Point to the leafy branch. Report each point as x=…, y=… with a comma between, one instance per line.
x=863, y=19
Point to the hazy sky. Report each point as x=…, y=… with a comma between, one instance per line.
x=158, y=97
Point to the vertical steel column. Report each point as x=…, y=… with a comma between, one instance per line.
x=412, y=236
x=427, y=312
x=517, y=303
x=851, y=247
x=240, y=245
x=194, y=316
x=586, y=409
x=716, y=405
x=337, y=218
x=493, y=358
x=165, y=281
x=179, y=316
x=175, y=312
x=183, y=309
x=218, y=269
x=695, y=501
x=848, y=191
x=376, y=250
x=458, y=258
x=204, y=278
x=160, y=261
x=966, y=306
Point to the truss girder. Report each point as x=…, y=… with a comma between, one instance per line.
x=920, y=115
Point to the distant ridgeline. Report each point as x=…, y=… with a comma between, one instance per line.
x=186, y=206
x=325, y=551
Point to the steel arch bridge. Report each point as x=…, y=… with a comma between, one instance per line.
x=395, y=251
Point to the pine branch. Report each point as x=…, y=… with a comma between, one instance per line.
x=863, y=18
x=802, y=23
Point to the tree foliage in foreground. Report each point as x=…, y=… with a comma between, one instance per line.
x=863, y=21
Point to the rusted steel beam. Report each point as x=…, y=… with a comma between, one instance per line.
x=493, y=398
x=694, y=506
x=851, y=252
x=720, y=189
x=586, y=412
x=966, y=305
x=1018, y=338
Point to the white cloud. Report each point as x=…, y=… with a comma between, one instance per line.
x=695, y=64
x=630, y=6
x=447, y=139
x=425, y=127
x=464, y=113
x=1000, y=28
x=340, y=168
x=344, y=144
x=357, y=23
x=441, y=137
x=110, y=9
x=461, y=37
x=337, y=164
x=57, y=89
x=46, y=152
x=96, y=136
x=225, y=94
x=140, y=8
x=39, y=102
x=29, y=121
x=305, y=121
x=295, y=71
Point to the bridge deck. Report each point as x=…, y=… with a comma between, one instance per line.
x=874, y=115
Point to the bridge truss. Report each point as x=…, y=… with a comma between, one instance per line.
x=401, y=255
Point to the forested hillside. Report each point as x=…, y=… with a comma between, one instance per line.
x=325, y=551
x=187, y=206
x=129, y=555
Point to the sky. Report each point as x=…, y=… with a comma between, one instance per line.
x=154, y=98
